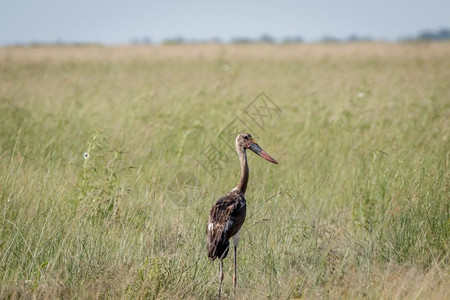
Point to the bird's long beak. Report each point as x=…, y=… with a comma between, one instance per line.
x=258, y=150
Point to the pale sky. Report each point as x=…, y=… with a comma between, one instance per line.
x=118, y=22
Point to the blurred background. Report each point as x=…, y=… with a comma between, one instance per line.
x=147, y=22
x=117, y=129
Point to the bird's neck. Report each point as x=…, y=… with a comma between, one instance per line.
x=242, y=186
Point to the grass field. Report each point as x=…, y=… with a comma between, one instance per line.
x=111, y=157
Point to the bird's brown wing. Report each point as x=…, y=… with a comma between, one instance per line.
x=225, y=219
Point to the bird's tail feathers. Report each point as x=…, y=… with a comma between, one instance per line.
x=218, y=248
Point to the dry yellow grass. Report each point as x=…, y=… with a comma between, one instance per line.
x=357, y=208
x=258, y=52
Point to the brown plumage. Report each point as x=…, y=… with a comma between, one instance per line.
x=228, y=214
x=227, y=217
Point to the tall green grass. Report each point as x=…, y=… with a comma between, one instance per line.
x=93, y=151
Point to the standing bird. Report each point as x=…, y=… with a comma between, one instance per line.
x=228, y=214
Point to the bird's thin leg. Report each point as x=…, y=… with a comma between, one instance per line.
x=220, y=278
x=235, y=243
x=235, y=269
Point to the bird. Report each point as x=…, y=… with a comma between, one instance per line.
x=228, y=214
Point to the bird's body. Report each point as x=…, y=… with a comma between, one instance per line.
x=225, y=220
x=228, y=214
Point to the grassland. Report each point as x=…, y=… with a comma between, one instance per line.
x=357, y=208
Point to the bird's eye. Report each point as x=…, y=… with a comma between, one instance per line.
x=246, y=137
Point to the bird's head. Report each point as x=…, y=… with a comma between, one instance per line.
x=245, y=141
